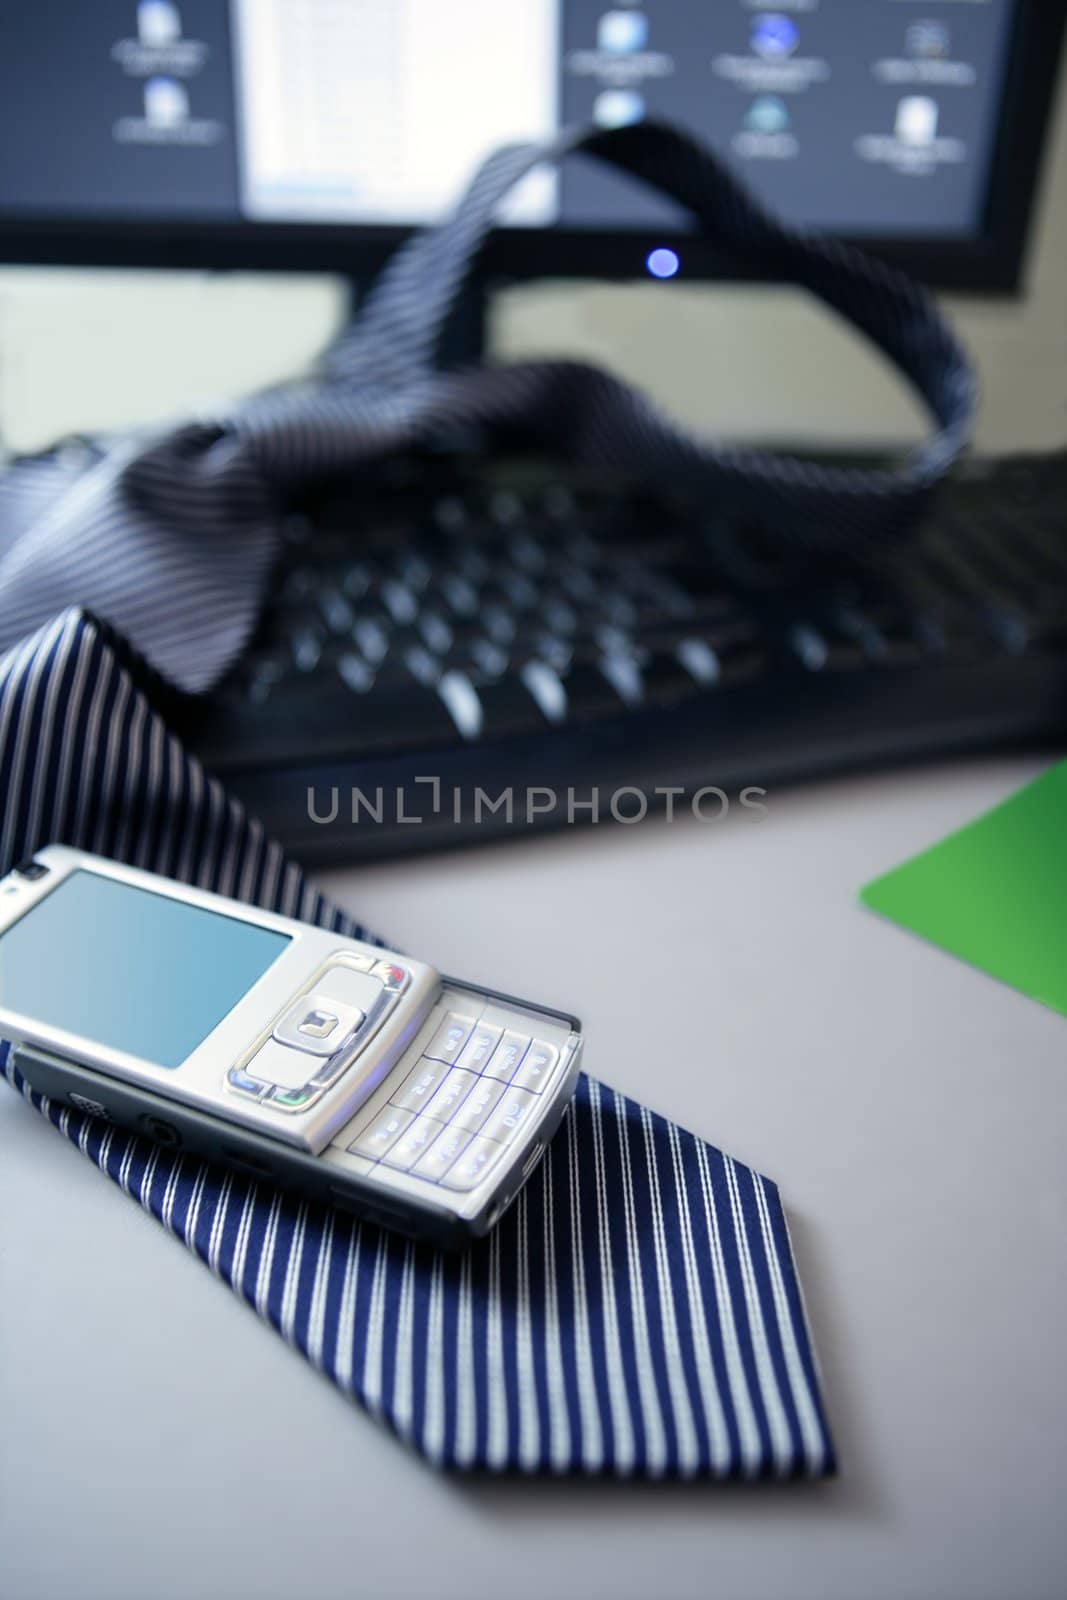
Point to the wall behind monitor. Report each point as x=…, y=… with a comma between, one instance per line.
x=81, y=350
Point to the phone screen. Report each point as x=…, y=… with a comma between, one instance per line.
x=129, y=969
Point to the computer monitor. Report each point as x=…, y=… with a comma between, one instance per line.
x=313, y=134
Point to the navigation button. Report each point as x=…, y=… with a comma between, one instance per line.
x=450, y=1038
x=480, y=1155
x=318, y=1024
x=537, y=1067
x=380, y=1135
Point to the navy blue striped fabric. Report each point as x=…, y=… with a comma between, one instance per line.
x=636, y=1312
x=193, y=512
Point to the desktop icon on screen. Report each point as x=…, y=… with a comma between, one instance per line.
x=916, y=121
x=159, y=23
x=774, y=36
x=928, y=39
x=622, y=31
x=166, y=103
x=618, y=108
x=768, y=113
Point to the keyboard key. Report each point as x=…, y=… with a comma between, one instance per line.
x=452, y=1093
x=413, y=1143
x=420, y=1085
x=380, y=1135
x=442, y=1153
x=479, y=1048
x=480, y=1156
x=538, y=1065
x=337, y=611
x=699, y=660
x=482, y=1099
x=461, y=700
x=515, y=1109
x=507, y=1055
x=355, y=673
x=450, y=1038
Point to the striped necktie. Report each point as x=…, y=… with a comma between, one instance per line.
x=637, y=1312
x=111, y=525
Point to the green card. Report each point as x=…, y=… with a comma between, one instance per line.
x=996, y=892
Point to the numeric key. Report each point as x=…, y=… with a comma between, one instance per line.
x=450, y=1038
x=420, y=1085
x=380, y=1135
x=479, y=1048
x=514, y=1110
x=452, y=1093
x=537, y=1067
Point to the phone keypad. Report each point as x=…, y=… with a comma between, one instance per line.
x=478, y=1050
x=473, y=1165
x=474, y=1091
x=412, y=1143
x=446, y=1148
x=378, y=1138
x=537, y=1067
x=420, y=1085
x=452, y=1093
x=478, y=1104
x=515, y=1110
x=507, y=1056
x=450, y=1038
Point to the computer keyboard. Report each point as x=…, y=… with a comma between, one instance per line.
x=448, y=631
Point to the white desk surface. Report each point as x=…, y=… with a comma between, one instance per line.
x=155, y=1438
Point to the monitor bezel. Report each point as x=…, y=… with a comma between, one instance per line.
x=992, y=262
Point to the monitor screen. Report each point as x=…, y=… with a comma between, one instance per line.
x=874, y=118
x=130, y=969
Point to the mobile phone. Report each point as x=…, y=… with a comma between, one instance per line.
x=315, y=1062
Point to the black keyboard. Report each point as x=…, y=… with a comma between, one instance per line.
x=449, y=631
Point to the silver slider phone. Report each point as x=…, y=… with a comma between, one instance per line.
x=348, y=1073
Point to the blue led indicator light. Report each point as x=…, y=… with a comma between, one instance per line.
x=663, y=263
